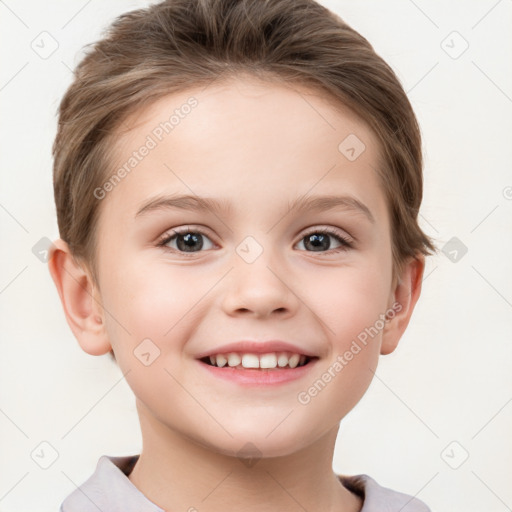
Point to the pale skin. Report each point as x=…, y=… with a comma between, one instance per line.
x=257, y=147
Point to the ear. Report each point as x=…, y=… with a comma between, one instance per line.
x=403, y=298
x=80, y=299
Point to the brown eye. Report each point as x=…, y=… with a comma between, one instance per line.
x=187, y=241
x=320, y=241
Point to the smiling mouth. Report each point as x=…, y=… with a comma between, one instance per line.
x=271, y=361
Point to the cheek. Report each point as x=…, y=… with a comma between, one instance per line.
x=146, y=302
x=349, y=300
x=351, y=304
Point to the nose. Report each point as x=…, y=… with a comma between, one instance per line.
x=259, y=289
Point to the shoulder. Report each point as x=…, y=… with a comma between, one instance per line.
x=379, y=499
x=109, y=490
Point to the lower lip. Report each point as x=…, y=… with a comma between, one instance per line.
x=259, y=377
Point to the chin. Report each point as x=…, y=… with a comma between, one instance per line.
x=252, y=444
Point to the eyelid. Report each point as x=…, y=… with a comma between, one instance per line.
x=329, y=231
x=171, y=233
x=176, y=231
x=346, y=241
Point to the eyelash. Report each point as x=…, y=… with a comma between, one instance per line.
x=346, y=244
x=176, y=232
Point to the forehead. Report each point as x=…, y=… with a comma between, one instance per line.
x=253, y=105
x=245, y=139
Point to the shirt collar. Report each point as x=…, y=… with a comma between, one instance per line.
x=110, y=490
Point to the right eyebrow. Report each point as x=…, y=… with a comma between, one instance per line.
x=184, y=202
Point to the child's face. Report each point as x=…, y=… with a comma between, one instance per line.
x=255, y=149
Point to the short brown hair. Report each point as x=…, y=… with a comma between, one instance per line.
x=179, y=44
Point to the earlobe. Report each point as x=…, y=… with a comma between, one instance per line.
x=80, y=300
x=403, y=300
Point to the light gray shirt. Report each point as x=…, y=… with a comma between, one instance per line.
x=110, y=490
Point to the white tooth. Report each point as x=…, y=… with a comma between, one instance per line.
x=250, y=361
x=212, y=360
x=221, y=360
x=268, y=361
x=282, y=359
x=302, y=360
x=234, y=359
x=293, y=361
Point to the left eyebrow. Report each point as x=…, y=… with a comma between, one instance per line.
x=322, y=203
x=201, y=204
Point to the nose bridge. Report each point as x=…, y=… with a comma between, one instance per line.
x=255, y=284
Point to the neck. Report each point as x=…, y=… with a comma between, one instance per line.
x=177, y=473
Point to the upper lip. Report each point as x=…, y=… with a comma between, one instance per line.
x=256, y=347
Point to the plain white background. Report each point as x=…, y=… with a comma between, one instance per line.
x=437, y=418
